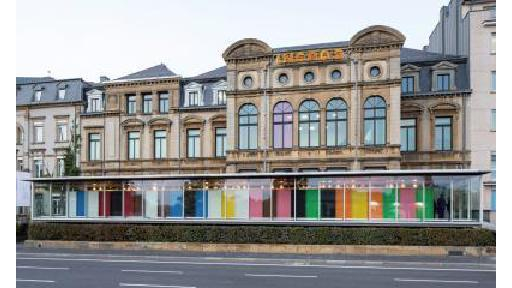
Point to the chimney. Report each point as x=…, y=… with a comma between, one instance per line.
x=104, y=79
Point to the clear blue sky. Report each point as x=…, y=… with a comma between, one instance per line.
x=89, y=38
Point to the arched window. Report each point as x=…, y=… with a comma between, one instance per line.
x=19, y=135
x=283, y=123
x=336, y=122
x=248, y=127
x=374, y=121
x=309, y=124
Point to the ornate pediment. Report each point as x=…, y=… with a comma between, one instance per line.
x=412, y=107
x=377, y=35
x=247, y=48
x=410, y=68
x=444, y=65
x=444, y=106
x=159, y=122
x=132, y=123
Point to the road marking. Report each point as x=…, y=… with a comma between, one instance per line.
x=151, y=271
x=329, y=261
x=281, y=276
x=151, y=285
x=32, y=280
x=254, y=264
x=42, y=268
x=435, y=281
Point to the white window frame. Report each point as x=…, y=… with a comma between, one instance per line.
x=60, y=167
x=62, y=131
x=37, y=95
x=62, y=93
x=38, y=132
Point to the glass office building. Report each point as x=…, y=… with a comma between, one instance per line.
x=401, y=196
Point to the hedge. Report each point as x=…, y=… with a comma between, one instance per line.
x=262, y=234
x=21, y=232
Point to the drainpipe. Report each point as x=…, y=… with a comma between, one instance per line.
x=266, y=103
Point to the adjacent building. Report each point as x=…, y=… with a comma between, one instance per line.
x=47, y=123
x=468, y=28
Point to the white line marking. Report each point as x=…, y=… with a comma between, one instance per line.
x=151, y=285
x=435, y=281
x=281, y=276
x=253, y=264
x=329, y=261
x=42, y=268
x=151, y=271
x=32, y=280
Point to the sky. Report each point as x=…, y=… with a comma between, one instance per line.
x=92, y=38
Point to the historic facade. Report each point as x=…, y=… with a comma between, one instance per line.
x=47, y=123
x=362, y=104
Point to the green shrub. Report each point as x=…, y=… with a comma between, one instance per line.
x=262, y=234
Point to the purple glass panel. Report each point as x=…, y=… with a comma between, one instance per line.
x=288, y=136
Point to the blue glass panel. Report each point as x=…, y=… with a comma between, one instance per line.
x=80, y=203
x=176, y=204
x=199, y=203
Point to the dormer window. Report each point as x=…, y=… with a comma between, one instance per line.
x=193, y=99
x=443, y=82
x=221, y=97
x=408, y=84
x=62, y=93
x=37, y=95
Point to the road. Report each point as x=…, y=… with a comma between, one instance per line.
x=85, y=268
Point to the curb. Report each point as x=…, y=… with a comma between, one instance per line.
x=270, y=248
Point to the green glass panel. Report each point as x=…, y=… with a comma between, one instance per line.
x=312, y=203
x=419, y=199
x=429, y=203
x=388, y=203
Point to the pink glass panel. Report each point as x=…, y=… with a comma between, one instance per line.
x=407, y=203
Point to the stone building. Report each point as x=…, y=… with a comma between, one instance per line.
x=47, y=123
x=362, y=104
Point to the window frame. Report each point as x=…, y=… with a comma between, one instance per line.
x=147, y=103
x=195, y=138
x=493, y=120
x=337, y=122
x=443, y=127
x=161, y=97
x=409, y=88
x=131, y=104
x=38, y=126
x=60, y=132
x=162, y=141
x=249, y=115
x=407, y=130
x=193, y=95
x=63, y=95
x=493, y=82
x=443, y=76
x=97, y=147
x=38, y=94
x=282, y=122
x=309, y=123
x=221, y=97
x=223, y=138
x=373, y=120
x=136, y=142
x=493, y=166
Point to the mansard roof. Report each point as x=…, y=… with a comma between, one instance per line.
x=152, y=72
x=408, y=55
x=31, y=80
x=219, y=72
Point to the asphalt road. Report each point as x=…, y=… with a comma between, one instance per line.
x=85, y=268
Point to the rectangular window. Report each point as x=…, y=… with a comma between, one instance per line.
x=62, y=93
x=407, y=84
x=163, y=102
x=493, y=165
x=38, y=168
x=193, y=99
x=493, y=81
x=96, y=105
x=443, y=133
x=60, y=167
x=493, y=119
x=147, y=103
x=160, y=138
x=133, y=145
x=408, y=135
x=130, y=104
x=62, y=132
x=493, y=200
x=94, y=146
x=221, y=97
x=38, y=132
x=193, y=143
x=220, y=142
x=37, y=95
x=443, y=82
x=493, y=42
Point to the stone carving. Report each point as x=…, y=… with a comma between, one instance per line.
x=377, y=35
x=248, y=47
